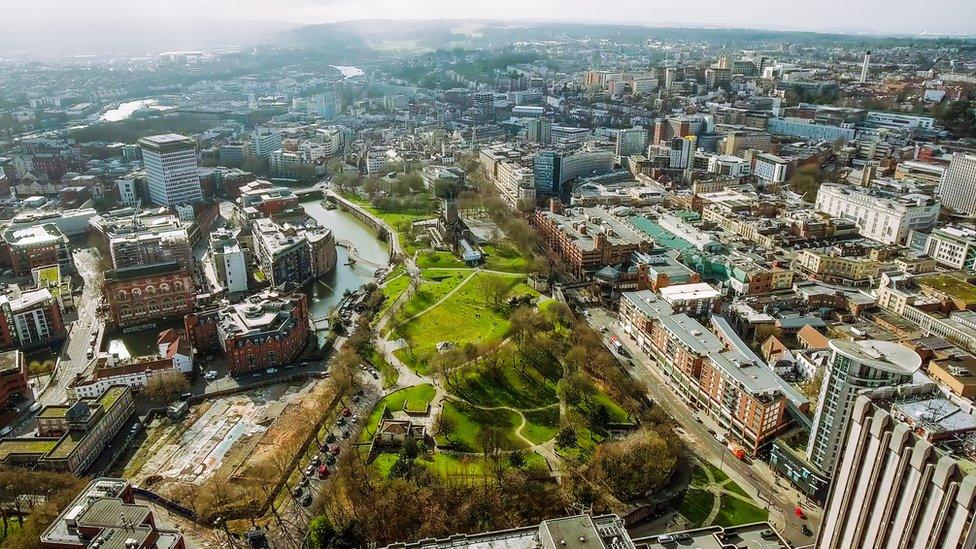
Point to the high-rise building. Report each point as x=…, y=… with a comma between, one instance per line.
x=854, y=366
x=265, y=141
x=682, y=151
x=956, y=187
x=538, y=130
x=171, y=169
x=545, y=170
x=904, y=479
x=631, y=141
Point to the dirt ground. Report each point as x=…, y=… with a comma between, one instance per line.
x=228, y=435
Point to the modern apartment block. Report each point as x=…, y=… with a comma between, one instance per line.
x=881, y=216
x=30, y=319
x=171, y=168
x=282, y=251
x=229, y=261
x=733, y=386
x=587, y=239
x=853, y=367
x=27, y=248
x=904, y=477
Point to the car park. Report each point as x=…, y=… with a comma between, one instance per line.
x=335, y=449
x=323, y=471
x=316, y=460
x=330, y=437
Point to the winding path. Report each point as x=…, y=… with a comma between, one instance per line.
x=442, y=299
x=545, y=449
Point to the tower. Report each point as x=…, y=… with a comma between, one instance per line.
x=171, y=169
x=864, y=67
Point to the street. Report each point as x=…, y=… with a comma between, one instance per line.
x=73, y=358
x=756, y=477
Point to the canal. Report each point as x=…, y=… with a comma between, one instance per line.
x=324, y=294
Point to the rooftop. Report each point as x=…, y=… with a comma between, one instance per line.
x=883, y=355
x=950, y=285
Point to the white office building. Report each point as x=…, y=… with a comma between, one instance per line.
x=771, y=168
x=726, y=164
x=265, y=141
x=171, y=169
x=881, y=216
x=954, y=247
x=631, y=141
x=956, y=190
x=905, y=477
x=229, y=261
x=853, y=366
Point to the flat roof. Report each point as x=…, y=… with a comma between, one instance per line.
x=883, y=355
x=695, y=290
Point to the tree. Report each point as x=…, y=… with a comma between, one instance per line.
x=492, y=441
x=494, y=289
x=566, y=438
x=320, y=532
x=637, y=465
x=165, y=385
x=806, y=181
x=559, y=314
x=445, y=425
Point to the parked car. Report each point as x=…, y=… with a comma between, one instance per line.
x=186, y=396
x=330, y=459
x=665, y=538
x=309, y=471
x=346, y=412
x=316, y=460
x=767, y=534
x=307, y=500
x=341, y=421
x=271, y=370
x=336, y=449
x=345, y=433
x=36, y=407
x=330, y=437
x=298, y=492
x=324, y=471
x=356, y=398
x=5, y=431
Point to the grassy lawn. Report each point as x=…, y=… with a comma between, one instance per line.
x=394, y=219
x=389, y=373
x=503, y=257
x=717, y=474
x=433, y=259
x=517, y=389
x=396, y=284
x=731, y=486
x=461, y=319
x=435, y=286
x=734, y=512
x=13, y=525
x=696, y=506
x=586, y=442
x=394, y=401
x=541, y=425
x=470, y=421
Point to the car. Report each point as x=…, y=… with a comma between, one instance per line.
x=309, y=471
x=298, y=492
x=711, y=432
x=6, y=431
x=135, y=427
x=303, y=364
x=345, y=433
x=665, y=538
x=346, y=412
x=335, y=449
x=806, y=530
x=304, y=481
x=767, y=534
x=307, y=500
x=90, y=354
x=799, y=512
x=341, y=421
x=356, y=398
x=256, y=374
x=316, y=460
x=603, y=329
x=698, y=419
x=186, y=396
x=288, y=366
x=36, y=407
x=271, y=370
x=683, y=536
x=330, y=459
x=679, y=430
x=374, y=375
x=330, y=437
x=324, y=471
x=354, y=418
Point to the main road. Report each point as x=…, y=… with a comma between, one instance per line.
x=756, y=477
x=73, y=358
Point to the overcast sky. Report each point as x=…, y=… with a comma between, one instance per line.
x=881, y=16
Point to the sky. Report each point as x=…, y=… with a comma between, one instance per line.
x=956, y=17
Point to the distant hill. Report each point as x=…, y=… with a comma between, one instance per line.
x=420, y=35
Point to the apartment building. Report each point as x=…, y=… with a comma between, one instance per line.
x=736, y=389
x=587, y=239
x=265, y=330
x=905, y=475
x=881, y=216
x=854, y=366
x=282, y=251
x=770, y=168
x=30, y=319
x=829, y=267
x=27, y=248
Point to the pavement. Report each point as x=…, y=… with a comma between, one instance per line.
x=771, y=492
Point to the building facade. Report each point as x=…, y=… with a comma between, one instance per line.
x=880, y=216
x=139, y=296
x=171, y=169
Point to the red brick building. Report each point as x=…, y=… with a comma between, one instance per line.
x=27, y=248
x=13, y=381
x=145, y=294
x=266, y=330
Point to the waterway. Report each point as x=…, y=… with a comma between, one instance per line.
x=324, y=294
x=349, y=72
x=125, y=110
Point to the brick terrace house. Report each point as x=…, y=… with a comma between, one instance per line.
x=146, y=294
x=266, y=330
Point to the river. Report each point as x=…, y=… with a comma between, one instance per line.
x=349, y=72
x=125, y=110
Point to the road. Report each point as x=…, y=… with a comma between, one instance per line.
x=74, y=359
x=755, y=477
